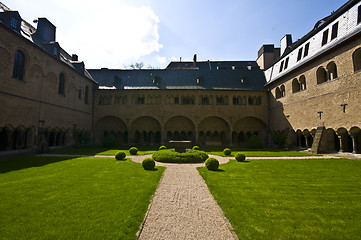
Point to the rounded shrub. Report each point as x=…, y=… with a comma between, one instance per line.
x=162, y=147
x=148, y=163
x=109, y=141
x=133, y=150
x=254, y=142
x=212, y=164
x=240, y=157
x=120, y=155
x=227, y=151
x=203, y=155
x=196, y=148
x=171, y=156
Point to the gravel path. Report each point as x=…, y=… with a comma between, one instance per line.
x=183, y=207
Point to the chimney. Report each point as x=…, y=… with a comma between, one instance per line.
x=285, y=42
x=74, y=57
x=195, y=60
x=46, y=30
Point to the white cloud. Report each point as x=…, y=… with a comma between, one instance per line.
x=161, y=60
x=112, y=37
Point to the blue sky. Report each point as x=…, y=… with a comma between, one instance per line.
x=116, y=33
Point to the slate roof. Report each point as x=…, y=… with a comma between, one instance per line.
x=224, y=79
x=212, y=65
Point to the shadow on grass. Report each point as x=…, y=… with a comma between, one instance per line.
x=218, y=170
x=152, y=170
x=15, y=164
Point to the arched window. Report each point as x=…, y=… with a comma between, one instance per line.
x=283, y=91
x=278, y=92
x=332, y=71
x=321, y=75
x=295, y=85
x=356, y=58
x=86, y=95
x=19, y=65
x=302, y=83
x=61, y=87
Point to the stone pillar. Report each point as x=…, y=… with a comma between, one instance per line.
x=197, y=135
x=163, y=135
x=340, y=140
x=299, y=140
x=354, y=143
x=307, y=140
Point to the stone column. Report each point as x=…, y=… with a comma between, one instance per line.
x=307, y=140
x=340, y=140
x=354, y=143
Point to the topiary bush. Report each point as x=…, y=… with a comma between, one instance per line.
x=227, y=151
x=120, y=155
x=162, y=147
x=133, y=150
x=212, y=164
x=197, y=148
x=148, y=163
x=171, y=156
x=109, y=141
x=240, y=157
x=254, y=142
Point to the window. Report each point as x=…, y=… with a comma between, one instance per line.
x=302, y=83
x=236, y=101
x=286, y=63
x=321, y=75
x=278, y=93
x=61, y=86
x=359, y=15
x=283, y=91
x=307, y=47
x=205, y=100
x=140, y=100
x=19, y=65
x=299, y=56
x=13, y=23
x=187, y=100
x=79, y=94
x=325, y=37
x=176, y=100
x=334, y=31
x=86, y=95
x=295, y=86
x=220, y=101
x=356, y=58
x=332, y=71
x=281, y=67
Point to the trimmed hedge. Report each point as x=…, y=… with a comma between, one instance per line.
x=197, y=148
x=109, y=141
x=120, y=155
x=212, y=164
x=162, y=147
x=133, y=150
x=240, y=157
x=254, y=142
x=227, y=151
x=148, y=163
x=171, y=156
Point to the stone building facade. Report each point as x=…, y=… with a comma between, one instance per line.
x=306, y=93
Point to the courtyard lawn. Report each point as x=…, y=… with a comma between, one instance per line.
x=266, y=152
x=290, y=199
x=80, y=198
x=107, y=151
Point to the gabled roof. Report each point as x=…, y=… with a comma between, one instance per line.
x=241, y=79
x=212, y=65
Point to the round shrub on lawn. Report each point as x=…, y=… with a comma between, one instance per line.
x=148, y=163
x=196, y=148
x=133, y=150
x=120, y=155
x=162, y=147
x=203, y=155
x=240, y=157
x=227, y=151
x=171, y=156
x=212, y=164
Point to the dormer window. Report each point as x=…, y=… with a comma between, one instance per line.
x=13, y=23
x=325, y=37
x=334, y=31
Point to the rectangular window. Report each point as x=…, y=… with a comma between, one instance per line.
x=281, y=67
x=176, y=100
x=236, y=101
x=359, y=15
x=299, y=56
x=205, y=100
x=307, y=47
x=140, y=100
x=220, y=101
x=286, y=63
x=325, y=37
x=334, y=31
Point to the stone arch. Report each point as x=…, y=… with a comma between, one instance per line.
x=356, y=59
x=109, y=124
x=295, y=85
x=20, y=63
x=180, y=124
x=332, y=71
x=308, y=138
x=214, y=126
x=29, y=137
x=146, y=124
x=321, y=75
x=283, y=90
x=250, y=126
x=5, y=59
x=303, y=83
x=345, y=140
x=329, y=141
x=278, y=93
x=355, y=133
x=301, y=139
x=6, y=134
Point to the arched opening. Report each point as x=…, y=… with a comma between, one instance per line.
x=180, y=128
x=295, y=85
x=4, y=139
x=108, y=124
x=321, y=75
x=147, y=126
x=345, y=140
x=250, y=126
x=355, y=133
x=283, y=90
x=278, y=93
x=19, y=65
x=332, y=71
x=356, y=59
x=303, y=83
x=214, y=126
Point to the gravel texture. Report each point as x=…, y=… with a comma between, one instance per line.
x=183, y=207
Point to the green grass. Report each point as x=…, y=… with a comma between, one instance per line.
x=81, y=198
x=290, y=199
x=266, y=152
x=106, y=151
